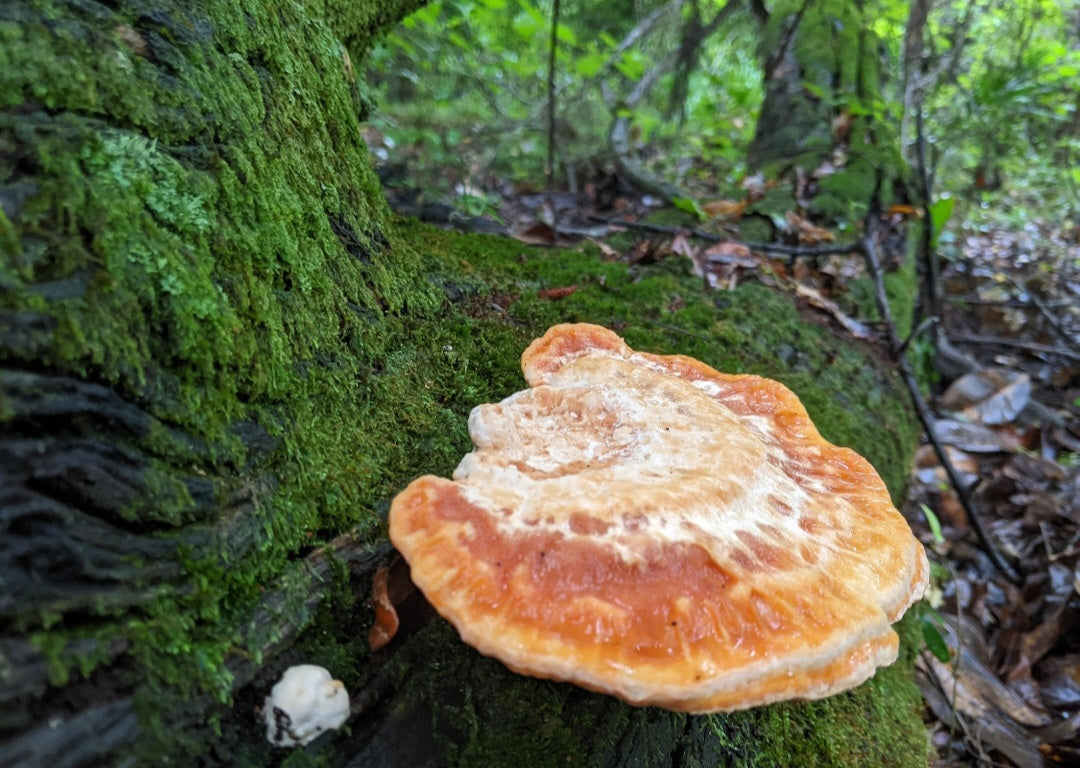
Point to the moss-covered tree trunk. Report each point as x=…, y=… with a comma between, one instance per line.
x=826, y=118
x=220, y=357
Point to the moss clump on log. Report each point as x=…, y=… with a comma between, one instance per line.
x=219, y=352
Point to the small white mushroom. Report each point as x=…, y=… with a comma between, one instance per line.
x=305, y=702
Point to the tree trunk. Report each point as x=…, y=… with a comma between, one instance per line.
x=826, y=118
x=220, y=357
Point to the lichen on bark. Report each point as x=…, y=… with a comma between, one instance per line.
x=218, y=351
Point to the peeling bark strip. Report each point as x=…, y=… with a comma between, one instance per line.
x=220, y=358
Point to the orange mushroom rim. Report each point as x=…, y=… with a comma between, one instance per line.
x=647, y=527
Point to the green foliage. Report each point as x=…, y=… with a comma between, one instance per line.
x=940, y=212
x=934, y=523
x=462, y=86
x=689, y=205
x=1003, y=125
x=930, y=625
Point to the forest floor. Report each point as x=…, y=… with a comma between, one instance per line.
x=1001, y=671
x=1010, y=691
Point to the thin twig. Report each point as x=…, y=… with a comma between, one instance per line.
x=1006, y=303
x=873, y=262
x=1029, y=346
x=1044, y=310
x=812, y=251
x=918, y=331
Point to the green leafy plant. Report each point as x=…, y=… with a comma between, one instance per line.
x=934, y=524
x=930, y=626
x=940, y=212
x=930, y=621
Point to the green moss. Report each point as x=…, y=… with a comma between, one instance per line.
x=664, y=309
x=901, y=291
x=208, y=239
x=489, y=716
x=191, y=220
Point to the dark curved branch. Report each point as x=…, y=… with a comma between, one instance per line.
x=873, y=260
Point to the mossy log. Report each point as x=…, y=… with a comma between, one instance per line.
x=221, y=356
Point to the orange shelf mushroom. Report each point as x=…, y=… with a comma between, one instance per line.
x=645, y=526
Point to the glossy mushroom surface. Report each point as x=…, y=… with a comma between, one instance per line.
x=648, y=527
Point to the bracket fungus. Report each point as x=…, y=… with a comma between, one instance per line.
x=645, y=526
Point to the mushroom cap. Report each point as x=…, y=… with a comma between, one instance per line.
x=305, y=702
x=645, y=526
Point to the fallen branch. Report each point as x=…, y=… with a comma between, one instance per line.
x=868, y=247
x=812, y=251
x=1044, y=310
x=965, y=299
x=1028, y=346
x=918, y=331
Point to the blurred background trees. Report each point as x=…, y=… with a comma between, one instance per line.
x=708, y=93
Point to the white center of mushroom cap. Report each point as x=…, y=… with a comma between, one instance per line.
x=604, y=428
x=303, y=704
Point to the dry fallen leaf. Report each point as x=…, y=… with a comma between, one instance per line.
x=725, y=209
x=386, y=618
x=606, y=250
x=540, y=233
x=955, y=703
x=681, y=245
x=989, y=396
x=974, y=438
x=989, y=711
x=903, y=211
x=735, y=254
x=807, y=233
x=553, y=294
x=817, y=299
